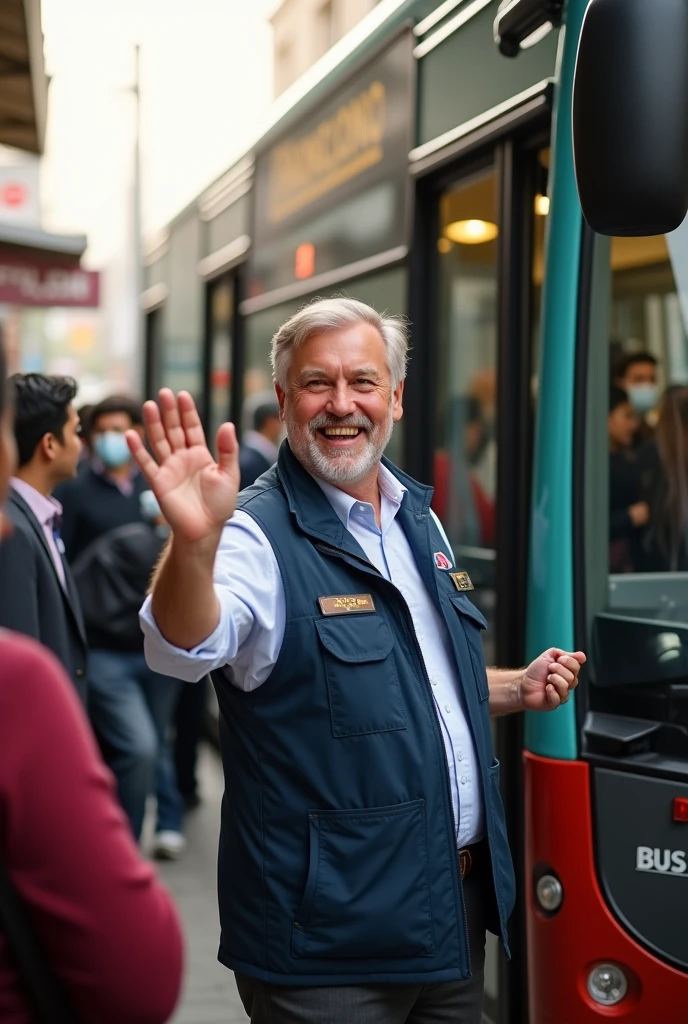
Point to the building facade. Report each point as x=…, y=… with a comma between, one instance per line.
x=304, y=30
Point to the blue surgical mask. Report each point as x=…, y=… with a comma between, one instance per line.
x=643, y=397
x=112, y=449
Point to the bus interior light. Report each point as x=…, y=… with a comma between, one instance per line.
x=541, y=205
x=471, y=232
x=607, y=984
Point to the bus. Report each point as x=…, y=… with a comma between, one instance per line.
x=425, y=165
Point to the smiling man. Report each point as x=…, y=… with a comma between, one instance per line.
x=363, y=850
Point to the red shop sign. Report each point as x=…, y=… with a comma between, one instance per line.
x=25, y=284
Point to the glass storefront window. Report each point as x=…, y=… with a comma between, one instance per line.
x=221, y=300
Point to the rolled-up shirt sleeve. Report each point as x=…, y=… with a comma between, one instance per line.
x=249, y=634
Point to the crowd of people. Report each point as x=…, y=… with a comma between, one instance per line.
x=648, y=469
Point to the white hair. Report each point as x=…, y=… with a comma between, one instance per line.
x=322, y=315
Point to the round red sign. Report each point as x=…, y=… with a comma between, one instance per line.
x=14, y=194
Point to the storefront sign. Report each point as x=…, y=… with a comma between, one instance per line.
x=25, y=284
x=334, y=190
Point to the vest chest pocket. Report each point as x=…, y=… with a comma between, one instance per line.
x=473, y=623
x=362, y=680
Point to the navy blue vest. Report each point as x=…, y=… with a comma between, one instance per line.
x=337, y=861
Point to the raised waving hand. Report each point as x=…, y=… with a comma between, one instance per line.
x=196, y=494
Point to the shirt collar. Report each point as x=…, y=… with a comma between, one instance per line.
x=45, y=508
x=342, y=503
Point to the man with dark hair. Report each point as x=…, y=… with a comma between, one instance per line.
x=38, y=596
x=259, y=446
x=130, y=705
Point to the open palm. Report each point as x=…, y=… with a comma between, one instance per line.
x=196, y=494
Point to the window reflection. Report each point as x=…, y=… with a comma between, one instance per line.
x=221, y=298
x=465, y=402
x=648, y=411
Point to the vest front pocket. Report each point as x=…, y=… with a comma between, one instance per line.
x=367, y=893
x=473, y=623
x=362, y=680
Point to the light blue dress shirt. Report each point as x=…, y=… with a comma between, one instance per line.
x=249, y=634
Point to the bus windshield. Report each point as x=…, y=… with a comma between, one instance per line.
x=637, y=475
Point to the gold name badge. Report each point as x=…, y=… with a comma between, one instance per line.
x=346, y=604
x=461, y=580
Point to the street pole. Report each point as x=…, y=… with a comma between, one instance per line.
x=138, y=374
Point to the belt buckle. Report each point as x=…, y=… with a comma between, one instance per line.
x=465, y=861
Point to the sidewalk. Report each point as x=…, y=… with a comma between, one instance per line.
x=210, y=995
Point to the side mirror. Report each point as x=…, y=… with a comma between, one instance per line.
x=630, y=116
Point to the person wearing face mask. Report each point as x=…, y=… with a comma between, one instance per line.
x=636, y=374
x=106, y=521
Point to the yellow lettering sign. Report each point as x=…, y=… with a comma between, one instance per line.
x=337, y=150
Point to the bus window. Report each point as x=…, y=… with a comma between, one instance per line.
x=465, y=469
x=637, y=465
x=648, y=411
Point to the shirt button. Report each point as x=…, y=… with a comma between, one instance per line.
x=361, y=508
x=460, y=757
x=464, y=780
x=80, y=672
x=447, y=709
x=434, y=682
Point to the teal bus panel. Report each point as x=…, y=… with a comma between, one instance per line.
x=550, y=582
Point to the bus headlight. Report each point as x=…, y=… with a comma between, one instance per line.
x=607, y=984
x=549, y=893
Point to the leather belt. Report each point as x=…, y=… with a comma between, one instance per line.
x=469, y=856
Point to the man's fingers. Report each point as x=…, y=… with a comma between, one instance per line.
x=191, y=421
x=553, y=698
x=155, y=431
x=562, y=672
x=144, y=460
x=227, y=447
x=174, y=432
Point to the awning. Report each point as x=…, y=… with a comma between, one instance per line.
x=34, y=243
x=23, y=83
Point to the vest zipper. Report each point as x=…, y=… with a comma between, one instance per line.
x=339, y=552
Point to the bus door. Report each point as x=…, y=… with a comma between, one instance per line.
x=478, y=262
x=631, y=554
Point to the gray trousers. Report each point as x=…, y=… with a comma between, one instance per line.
x=453, y=1002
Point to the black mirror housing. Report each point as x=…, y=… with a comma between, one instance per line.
x=630, y=116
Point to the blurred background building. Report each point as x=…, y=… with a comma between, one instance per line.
x=304, y=30
x=49, y=305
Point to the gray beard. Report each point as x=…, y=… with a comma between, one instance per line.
x=339, y=467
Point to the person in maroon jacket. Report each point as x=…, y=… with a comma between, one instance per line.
x=106, y=925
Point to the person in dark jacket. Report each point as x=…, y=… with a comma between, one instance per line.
x=258, y=449
x=38, y=596
x=628, y=513
x=131, y=706
x=664, y=473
